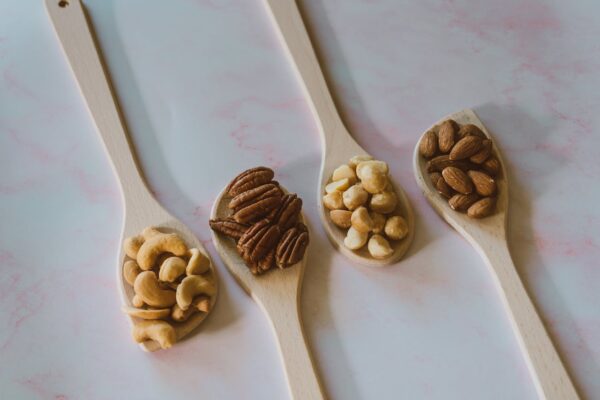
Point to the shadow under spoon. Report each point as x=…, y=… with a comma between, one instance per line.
x=338, y=145
x=488, y=237
x=140, y=207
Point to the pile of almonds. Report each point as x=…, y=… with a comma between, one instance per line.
x=462, y=167
x=361, y=199
x=264, y=221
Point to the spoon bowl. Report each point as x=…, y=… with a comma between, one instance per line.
x=140, y=208
x=278, y=294
x=488, y=237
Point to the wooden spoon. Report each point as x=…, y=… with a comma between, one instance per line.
x=140, y=207
x=488, y=236
x=338, y=145
x=278, y=294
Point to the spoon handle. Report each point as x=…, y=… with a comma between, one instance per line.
x=75, y=35
x=300, y=372
x=550, y=376
x=292, y=31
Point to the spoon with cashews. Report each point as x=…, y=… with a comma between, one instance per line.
x=156, y=321
x=458, y=143
x=338, y=150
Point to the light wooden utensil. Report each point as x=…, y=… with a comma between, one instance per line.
x=488, y=237
x=338, y=145
x=140, y=207
x=278, y=294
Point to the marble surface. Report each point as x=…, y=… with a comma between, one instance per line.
x=207, y=91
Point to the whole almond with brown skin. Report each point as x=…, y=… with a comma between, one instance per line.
x=491, y=166
x=434, y=176
x=484, y=153
x=443, y=188
x=446, y=135
x=482, y=208
x=470, y=130
x=466, y=147
x=437, y=164
x=428, y=146
x=460, y=202
x=457, y=180
x=484, y=184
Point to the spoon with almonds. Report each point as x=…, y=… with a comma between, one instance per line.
x=488, y=236
x=338, y=145
x=140, y=208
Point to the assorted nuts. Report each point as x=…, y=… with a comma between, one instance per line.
x=265, y=222
x=167, y=278
x=462, y=167
x=368, y=205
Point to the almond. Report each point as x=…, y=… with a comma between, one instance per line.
x=428, y=145
x=470, y=130
x=443, y=188
x=434, y=176
x=484, y=153
x=437, y=164
x=466, y=147
x=457, y=180
x=460, y=202
x=484, y=184
x=446, y=135
x=491, y=166
x=482, y=208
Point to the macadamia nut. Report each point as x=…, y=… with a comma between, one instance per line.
x=340, y=185
x=354, y=161
x=341, y=218
x=354, y=239
x=379, y=247
x=333, y=201
x=355, y=197
x=378, y=222
x=361, y=220
x=384, y=203
x=344, y=171
x=396, y=228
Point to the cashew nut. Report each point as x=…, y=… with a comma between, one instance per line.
x=341, y=218
x=147, y=288
x=149, y=232
x=378, y=222
x=147, y=314
x=361, y=220
x=157, y=244
x=192, y=286
x=354, y=161
x=396, y=228
x=137, y=301
x=171, y=269
x=333, y=201
x=344, y=171
x=198, y=264
x=200, y=303
x=355, y=196
x=384, y=202
x=130, y=271
x=379, y=247
x=132, y=245
x=159, y=331
x=354, y=239
x=340, y=185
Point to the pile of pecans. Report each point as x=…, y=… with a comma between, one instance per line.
x=264, y=221
x=462, y=167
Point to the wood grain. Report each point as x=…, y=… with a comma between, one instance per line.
x=488, y=237
x=140, y=207
x=338, y=145
x=278, y=294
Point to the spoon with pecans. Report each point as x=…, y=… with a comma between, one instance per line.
x=141, y=209
x=484, y=226
x=258, y=229
x=338, y=145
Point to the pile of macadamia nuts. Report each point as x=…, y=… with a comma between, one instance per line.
x=172, y=285
x=362, y=200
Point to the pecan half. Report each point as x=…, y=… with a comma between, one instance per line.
x=256, y=210
x=292, y=246
x=288, y=212
x=265, y=264
x=250, y=179
x=228, y=227
x=261, y=238
x=248, y=197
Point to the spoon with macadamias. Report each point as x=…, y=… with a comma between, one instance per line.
x=167, y=282
x=356, y=228
x=260, y=233
x=460, y=171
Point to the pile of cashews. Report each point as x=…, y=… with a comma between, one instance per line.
x=170, y=281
